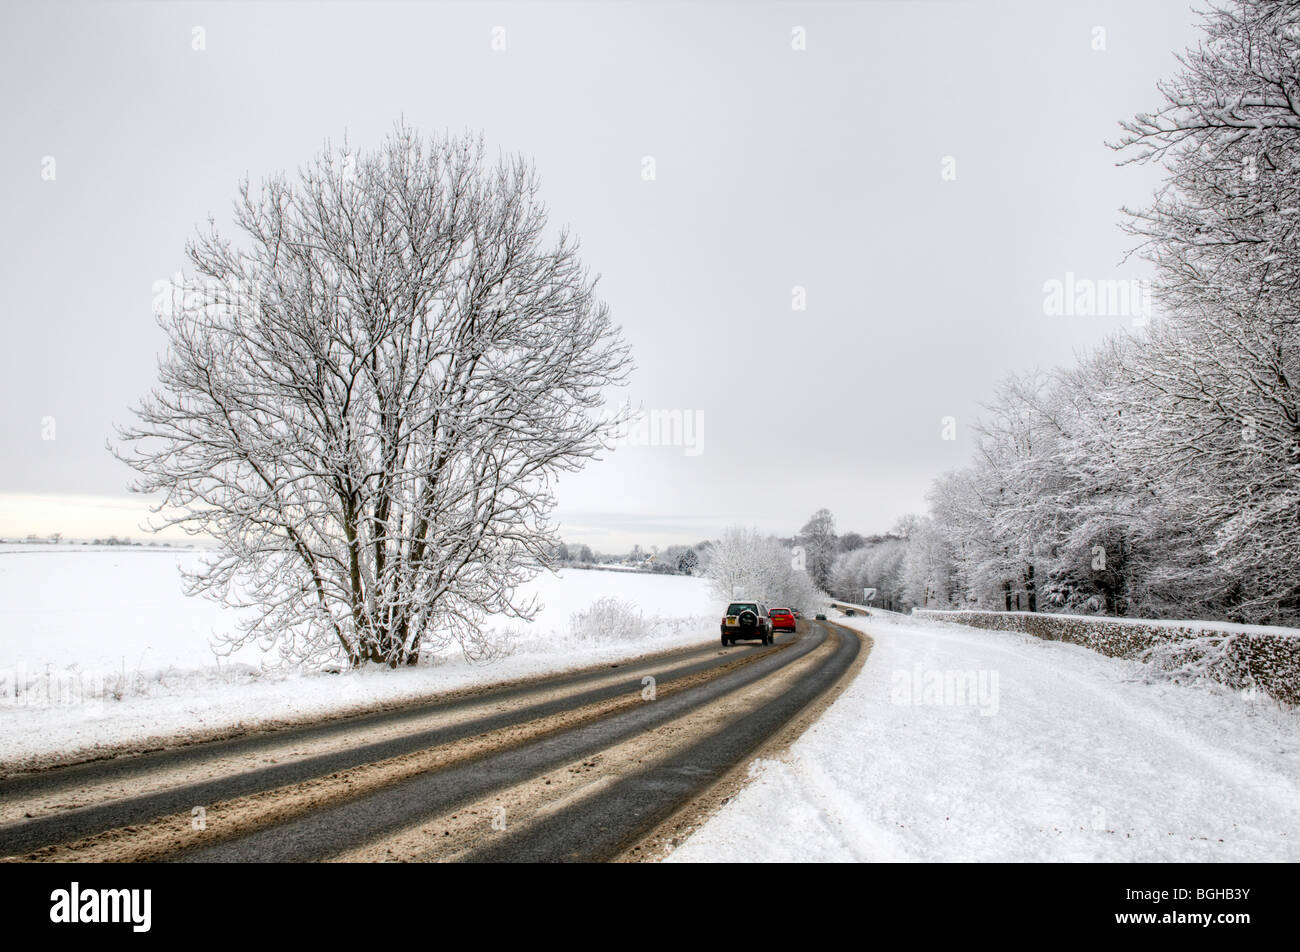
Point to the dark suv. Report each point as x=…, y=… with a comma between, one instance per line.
x=746, y=620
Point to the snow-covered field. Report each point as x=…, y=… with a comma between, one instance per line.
x=1037, y=751
x=100, y=647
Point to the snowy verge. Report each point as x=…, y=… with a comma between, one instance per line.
x=78, y=633
x=85, y=720
x=1250, y=657
x=960, y=744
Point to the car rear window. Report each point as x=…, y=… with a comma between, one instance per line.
x=735, y=608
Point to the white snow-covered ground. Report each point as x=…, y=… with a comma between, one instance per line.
x=1191, y=624
x=1039, y=751
x=100, y=647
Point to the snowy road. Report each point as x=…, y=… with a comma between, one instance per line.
x=590, y=766
x=961, y=744
x=949, y=744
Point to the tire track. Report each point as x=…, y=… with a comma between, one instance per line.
x=620, y=766
x=37, y=832
x=322, y=834
x=611, y=820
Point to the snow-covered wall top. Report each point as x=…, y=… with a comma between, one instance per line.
x=1245, y=657
x=1189, y=625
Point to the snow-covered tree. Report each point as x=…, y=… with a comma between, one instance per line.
x=1216, y=384
x=927, y=571
x=367, y=397
x=1161, y=474
x=818, y=540
x=687, y=561
x=744, y=563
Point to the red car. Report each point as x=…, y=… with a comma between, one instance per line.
x=782, y=619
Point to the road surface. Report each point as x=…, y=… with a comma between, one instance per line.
x=617, y=762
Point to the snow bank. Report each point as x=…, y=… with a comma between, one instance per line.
x=1051, y=753
x=1257, y=657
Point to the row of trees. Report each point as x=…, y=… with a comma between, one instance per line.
x=875, y=564
x=673, y=560
x=802, y=570
x=1160, y=475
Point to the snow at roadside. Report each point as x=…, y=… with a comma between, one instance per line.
x=1042, y=751
x=100, y=647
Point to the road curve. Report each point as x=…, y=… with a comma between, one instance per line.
x=580, y=766
x=126, y=773
x=611, y=821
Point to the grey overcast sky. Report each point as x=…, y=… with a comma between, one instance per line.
x=774, y=168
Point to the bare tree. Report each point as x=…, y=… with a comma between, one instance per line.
x=366, y=402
